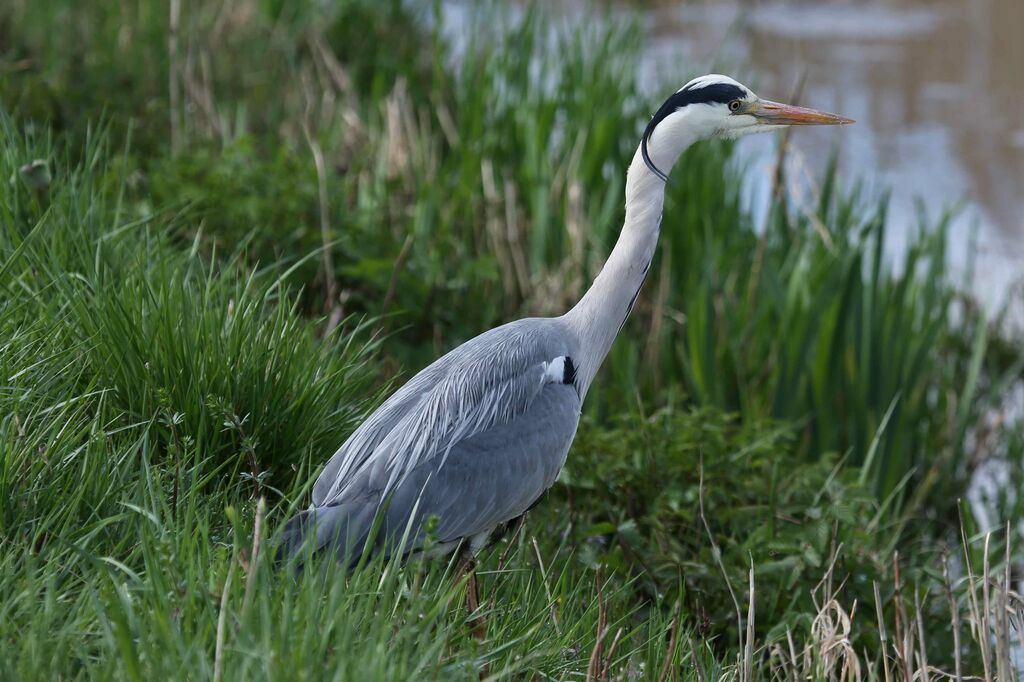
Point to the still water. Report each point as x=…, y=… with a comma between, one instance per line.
x=936, y=87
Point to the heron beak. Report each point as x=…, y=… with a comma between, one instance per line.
x=773, y=113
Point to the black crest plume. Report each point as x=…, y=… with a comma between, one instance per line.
x=713, y=93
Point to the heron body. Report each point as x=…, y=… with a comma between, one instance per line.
x=440, y=446
x=476, y=438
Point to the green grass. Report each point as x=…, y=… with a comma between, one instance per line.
x=154, y=611
x=169, y=355
x=139, y=379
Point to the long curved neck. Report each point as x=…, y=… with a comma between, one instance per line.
x=599, y=315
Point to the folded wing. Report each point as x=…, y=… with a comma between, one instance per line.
x=484, y=384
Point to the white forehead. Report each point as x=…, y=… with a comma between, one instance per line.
x=714, y=79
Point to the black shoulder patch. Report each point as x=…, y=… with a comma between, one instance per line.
x=717, y=93
x=569, y=377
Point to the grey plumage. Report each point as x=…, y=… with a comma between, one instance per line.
x=474, y=439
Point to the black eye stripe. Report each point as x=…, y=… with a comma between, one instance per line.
x=714, y=93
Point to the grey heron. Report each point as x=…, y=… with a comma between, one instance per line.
x=476, y=438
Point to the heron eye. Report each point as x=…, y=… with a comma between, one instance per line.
x=734, y=105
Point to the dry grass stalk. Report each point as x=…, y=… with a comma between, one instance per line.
x=338, y=100
x=972, y=594
x=716, y=552
x=396, y=269
x=327, y=96
x=198, y=84
x=577, y=229
x=594, y=665
x=1003, y=648
x=547, y=588
x=883, y=637
x=954, y=614
x=606, y=668
x=828, y=652
x=218, y=655
x=326, y=59
x=780, y=666
x=448, y=125
x=653, y=347
x=1017, y=622
x=7, y=68
x=173, y=82
x=901, y=625
x=397, y=109
x=506, y=240
x=499, y=247
x=564, y=285
x=512, y=541
x=670, y=653
x=830, y=644
x=331, y=304
x=516, y=244
x=805, y=195
x=986, y=628
x=922, y=653
x=698, y=668
x=257, y=535
x=792, y=653
x=748, y=650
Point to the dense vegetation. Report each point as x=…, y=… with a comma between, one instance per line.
x=227, y=229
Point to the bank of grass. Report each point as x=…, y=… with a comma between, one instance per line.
x=129, y=434
x=196, y=312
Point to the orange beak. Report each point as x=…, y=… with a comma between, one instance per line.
x=773, y=113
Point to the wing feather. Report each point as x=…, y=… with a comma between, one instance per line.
x=482, y=384
x=364, y=440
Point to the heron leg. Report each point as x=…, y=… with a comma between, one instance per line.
x=477, y=623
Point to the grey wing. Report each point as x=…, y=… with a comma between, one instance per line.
x=495, y=475
x=360, y=446
x=485, y=479
x=485, y=383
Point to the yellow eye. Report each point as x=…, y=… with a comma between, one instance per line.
x=734, y=105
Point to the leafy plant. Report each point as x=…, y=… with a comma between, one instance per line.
x=680, y=497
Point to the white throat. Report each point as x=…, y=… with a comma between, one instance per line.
x=599, y=315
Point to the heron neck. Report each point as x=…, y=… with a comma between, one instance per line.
x=599, y=315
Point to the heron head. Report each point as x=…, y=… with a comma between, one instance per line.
x=718, y=106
